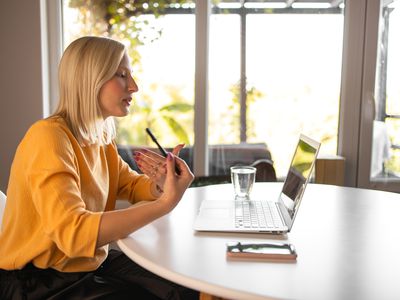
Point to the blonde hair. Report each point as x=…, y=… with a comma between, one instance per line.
x=85, y=66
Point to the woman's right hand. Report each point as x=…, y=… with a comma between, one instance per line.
x=119, y=223
x=175, y=185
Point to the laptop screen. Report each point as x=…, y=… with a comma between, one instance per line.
x=298, y=176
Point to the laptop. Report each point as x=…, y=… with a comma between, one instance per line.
x=276, y=216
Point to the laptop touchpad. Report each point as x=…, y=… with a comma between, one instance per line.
x=215, y=213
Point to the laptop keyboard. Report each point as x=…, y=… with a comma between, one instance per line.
x=257, y=214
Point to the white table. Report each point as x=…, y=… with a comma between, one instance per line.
x=347, y=239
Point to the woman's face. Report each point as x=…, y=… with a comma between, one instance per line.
x=116, y=94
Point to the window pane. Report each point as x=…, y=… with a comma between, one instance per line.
x=292, y=70
x=224, y=76
x=166, y=86
x=160, y=40
x=162, y=53
x=385, y=159
x=294, y=61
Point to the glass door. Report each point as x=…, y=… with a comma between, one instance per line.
x=379, y=151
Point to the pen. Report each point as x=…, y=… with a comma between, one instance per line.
x=162, y=150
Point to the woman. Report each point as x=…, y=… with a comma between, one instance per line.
x=64, y=181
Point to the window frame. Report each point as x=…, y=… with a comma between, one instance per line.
x=367, y=109
x=357, y=84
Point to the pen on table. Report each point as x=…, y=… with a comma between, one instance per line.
x=162, y=150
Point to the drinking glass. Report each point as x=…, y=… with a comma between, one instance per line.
x=243, y=178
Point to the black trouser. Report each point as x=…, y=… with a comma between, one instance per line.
x=117, y=278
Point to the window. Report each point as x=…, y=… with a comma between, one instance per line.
x=162, y=50
x=378, y=124
x=360, y=83
x=274, y=73
x=385, y=159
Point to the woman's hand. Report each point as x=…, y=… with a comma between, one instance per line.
x=175, y=184
x=154, y=165
x=119, y=223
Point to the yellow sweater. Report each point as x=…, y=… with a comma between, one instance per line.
x=56, y=195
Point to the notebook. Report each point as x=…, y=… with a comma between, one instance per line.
x=229, y=215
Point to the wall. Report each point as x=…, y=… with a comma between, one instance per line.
x=20, y=76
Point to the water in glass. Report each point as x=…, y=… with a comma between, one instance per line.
x=243, y=178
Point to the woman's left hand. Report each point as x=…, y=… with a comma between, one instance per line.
x=154, y=165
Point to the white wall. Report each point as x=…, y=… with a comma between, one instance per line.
x=20, y=76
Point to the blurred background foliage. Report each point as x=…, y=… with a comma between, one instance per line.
x=252, y=95
x=120, y=19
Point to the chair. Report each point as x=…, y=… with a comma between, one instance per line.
x=212, y=179
x=265, y=170
x=3, y=199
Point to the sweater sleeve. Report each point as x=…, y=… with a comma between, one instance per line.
x=53, y=176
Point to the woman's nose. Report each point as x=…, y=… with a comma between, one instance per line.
x=132, y=86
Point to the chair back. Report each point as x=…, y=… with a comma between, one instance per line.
x=265, y=170
x=210, y=180
x=3, y=199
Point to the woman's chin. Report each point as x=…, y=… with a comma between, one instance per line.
x=122, y=113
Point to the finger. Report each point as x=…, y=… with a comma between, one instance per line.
x=148, y=169
x=152, y=154
x=170, y=165
x=145, y=161
x=181, y=164
x=178, y=149
x=185, y=174
x=155, y=174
